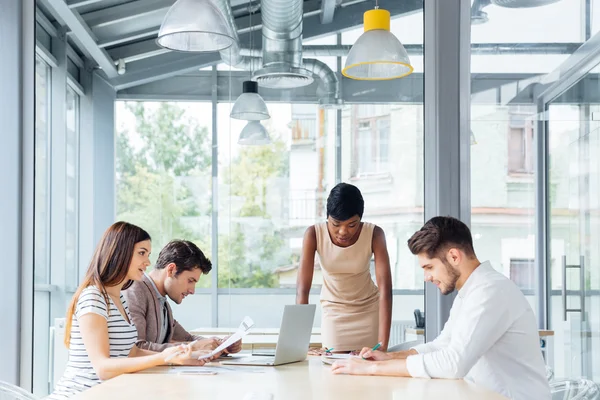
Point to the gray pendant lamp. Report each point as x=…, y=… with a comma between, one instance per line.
x=195, y=26
x=250, y=106
x=254, y=134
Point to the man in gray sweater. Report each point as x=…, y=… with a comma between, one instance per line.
x=177, y=270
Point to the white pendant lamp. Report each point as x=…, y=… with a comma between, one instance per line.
x=195, y=26
x=250, y=106
x=254, y=134
x=377, y=54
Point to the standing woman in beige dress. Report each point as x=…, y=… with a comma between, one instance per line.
x=354, y=312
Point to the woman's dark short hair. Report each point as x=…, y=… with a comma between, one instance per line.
x=344, y=202
x=439, y=234
x=185, y=255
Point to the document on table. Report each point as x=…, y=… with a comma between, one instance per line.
x=242, y=331
x=183, y=370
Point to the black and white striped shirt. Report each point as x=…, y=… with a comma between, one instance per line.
x=80, y=374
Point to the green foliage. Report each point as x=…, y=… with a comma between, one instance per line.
x=171, y=142
x=163, y=174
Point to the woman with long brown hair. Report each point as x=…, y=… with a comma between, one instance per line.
x=99, y=333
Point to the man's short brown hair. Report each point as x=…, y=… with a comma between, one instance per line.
x=440, y=234
x=185, y=255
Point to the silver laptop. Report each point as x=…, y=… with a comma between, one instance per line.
x=293, y=340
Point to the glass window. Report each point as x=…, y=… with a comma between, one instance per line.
x=573, y=131
x=372, y=136
x=271, y=194
x=72, y=189
x=559, y=22
x=42, y=172
x=503, y=128
x=522, y=272
x=163, y=171
x=512, y=51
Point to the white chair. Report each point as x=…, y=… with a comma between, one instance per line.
x=12, y=392
x=59, y=354
x=549, y=374
x=404, y=346
x=581, y=389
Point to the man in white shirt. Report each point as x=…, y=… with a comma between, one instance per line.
x=490, y=338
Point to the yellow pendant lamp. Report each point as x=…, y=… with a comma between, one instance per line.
x=377, y=54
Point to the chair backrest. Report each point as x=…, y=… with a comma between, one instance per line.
x=59, y=354
x=12, y=392
x=580, y=389
x=549, y=373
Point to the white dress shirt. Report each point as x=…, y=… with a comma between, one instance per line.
x=490, y=338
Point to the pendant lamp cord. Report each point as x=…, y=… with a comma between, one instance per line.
x=251, y=33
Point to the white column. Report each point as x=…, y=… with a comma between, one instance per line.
x=447, y=119
x=17, y=46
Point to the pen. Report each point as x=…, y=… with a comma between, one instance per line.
x=172, y=356
x=378, y=345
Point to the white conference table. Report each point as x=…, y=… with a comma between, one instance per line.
x=307, y=380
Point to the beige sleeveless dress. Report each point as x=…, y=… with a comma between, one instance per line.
x=349, y=297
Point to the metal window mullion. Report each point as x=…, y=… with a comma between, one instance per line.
x=446, y=128
x=215, y=204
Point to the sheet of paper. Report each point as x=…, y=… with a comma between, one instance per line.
x=242, y=331
x=211, y=370
x=197, y=372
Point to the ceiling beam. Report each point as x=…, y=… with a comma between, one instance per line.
x=327, y=11
x=82, y=34
x=197, y=86
x=125, y=12
x=128, y=37
x=137, y=51
x=574, y=68
x=162, y=67
x=168, y=65
x=148, y=48
x=81, y=3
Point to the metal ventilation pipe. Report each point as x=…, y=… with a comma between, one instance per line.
x=282, y=45
x=330, y=82
x=232, y=55
x=282, y=32
x=281, y=65
x=317, y=50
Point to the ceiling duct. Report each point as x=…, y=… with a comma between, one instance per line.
x=232, y=55
x=282, y=46
x=331, y=83
x=284, y=67
x=522, y=3
x=478, y=16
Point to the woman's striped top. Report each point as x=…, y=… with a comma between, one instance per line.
x=79, y=374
